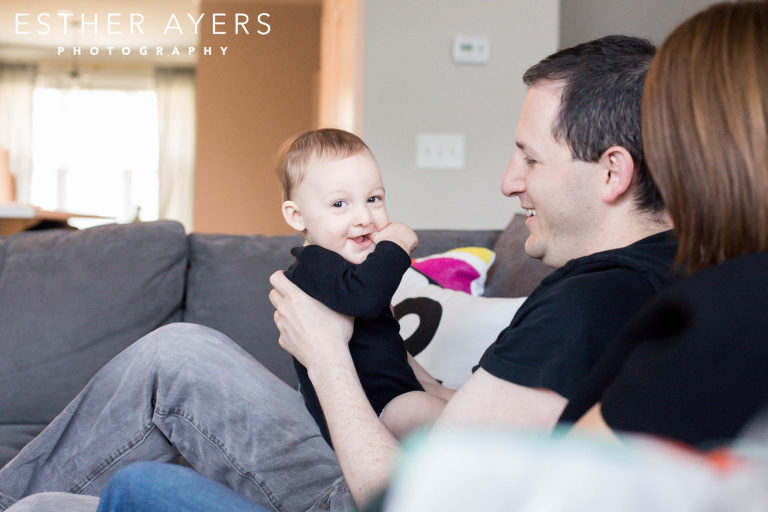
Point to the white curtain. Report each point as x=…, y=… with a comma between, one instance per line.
x=175, y=89
x=17, y=85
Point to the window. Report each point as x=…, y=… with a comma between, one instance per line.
x=95, y=151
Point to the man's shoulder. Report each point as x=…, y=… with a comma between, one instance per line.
x=582, y=293
x=650, y=259
x=558, y=333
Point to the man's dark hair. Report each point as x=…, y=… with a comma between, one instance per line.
x=600, y=103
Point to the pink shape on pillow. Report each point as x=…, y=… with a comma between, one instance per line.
x=449, y=272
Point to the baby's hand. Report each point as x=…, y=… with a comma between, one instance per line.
x=399, y=233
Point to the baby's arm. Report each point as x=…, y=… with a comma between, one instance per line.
x=362, y=290
x=412, y=410
x=430, y=384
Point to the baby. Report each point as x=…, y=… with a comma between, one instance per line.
x=352, y=261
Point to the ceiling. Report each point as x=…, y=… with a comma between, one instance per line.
x=24, y=42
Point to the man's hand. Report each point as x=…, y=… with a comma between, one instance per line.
x=399, y=233
x=309, y=331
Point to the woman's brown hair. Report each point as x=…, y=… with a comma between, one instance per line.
x=705, y=131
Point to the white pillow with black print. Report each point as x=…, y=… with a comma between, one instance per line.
x=447, y=331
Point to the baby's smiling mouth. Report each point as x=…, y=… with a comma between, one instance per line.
x=360, y=239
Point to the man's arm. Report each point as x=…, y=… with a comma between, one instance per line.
x=366, y=450
x=488, y=400
x=364, y=446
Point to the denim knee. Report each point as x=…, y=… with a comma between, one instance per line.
x=173, y=342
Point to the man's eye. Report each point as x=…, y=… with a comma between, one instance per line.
x=339, y=204
x=530, y=162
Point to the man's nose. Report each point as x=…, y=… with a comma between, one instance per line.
x=513, y=181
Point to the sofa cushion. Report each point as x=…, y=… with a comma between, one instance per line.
x=514, y=273
x=228, y=290
x=71, y=300
x=14, y=437
x=433, y=241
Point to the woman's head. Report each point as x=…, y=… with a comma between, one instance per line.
x=705, y=131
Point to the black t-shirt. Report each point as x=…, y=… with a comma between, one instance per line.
x=363, y=291
x=697, y=369
x=565, y=325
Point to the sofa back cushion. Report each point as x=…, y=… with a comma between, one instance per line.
x=514, y=273
x=71, y=300
x=436, y=241
x=228, y=290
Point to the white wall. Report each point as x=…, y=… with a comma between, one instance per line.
x=583, y=20
x=411, y=85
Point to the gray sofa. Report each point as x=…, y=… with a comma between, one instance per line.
x=71, y=300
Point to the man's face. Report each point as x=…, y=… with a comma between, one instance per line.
x=341, y=204
x=560, y=193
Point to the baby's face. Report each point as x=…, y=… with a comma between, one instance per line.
x=342, y=203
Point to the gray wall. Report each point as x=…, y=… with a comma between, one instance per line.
x=583, y=20
x=411, y=85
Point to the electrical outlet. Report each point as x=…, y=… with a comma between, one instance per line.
x=440, y=151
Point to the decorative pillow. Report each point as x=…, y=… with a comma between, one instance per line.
x=447, y=330
x=462, y=269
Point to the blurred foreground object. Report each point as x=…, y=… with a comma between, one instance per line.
x=492, y=470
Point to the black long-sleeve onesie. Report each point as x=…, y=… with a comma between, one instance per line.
x=363, y=291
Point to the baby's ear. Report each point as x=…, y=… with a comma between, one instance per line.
x=292, y=215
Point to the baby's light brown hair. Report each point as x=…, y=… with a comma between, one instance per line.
x=296, y=153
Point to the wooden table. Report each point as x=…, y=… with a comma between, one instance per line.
x=16, y=217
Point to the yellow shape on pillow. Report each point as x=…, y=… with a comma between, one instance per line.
x=486, y=255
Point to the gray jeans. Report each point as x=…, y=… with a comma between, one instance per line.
x=185, y=390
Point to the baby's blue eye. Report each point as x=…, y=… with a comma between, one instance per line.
x=374, y=199
x=339, y=204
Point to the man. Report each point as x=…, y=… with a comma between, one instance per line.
x=593, y=212
x=189, y=390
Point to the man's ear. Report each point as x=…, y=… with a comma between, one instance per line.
x=619, y=167
x=292, y=215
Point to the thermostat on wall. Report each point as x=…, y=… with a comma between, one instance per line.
x=471, y=49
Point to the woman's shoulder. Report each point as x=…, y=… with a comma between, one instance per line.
x=725, y=301
x=731, y=278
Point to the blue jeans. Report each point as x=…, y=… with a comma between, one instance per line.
x=155, y=487
x=185, y=390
